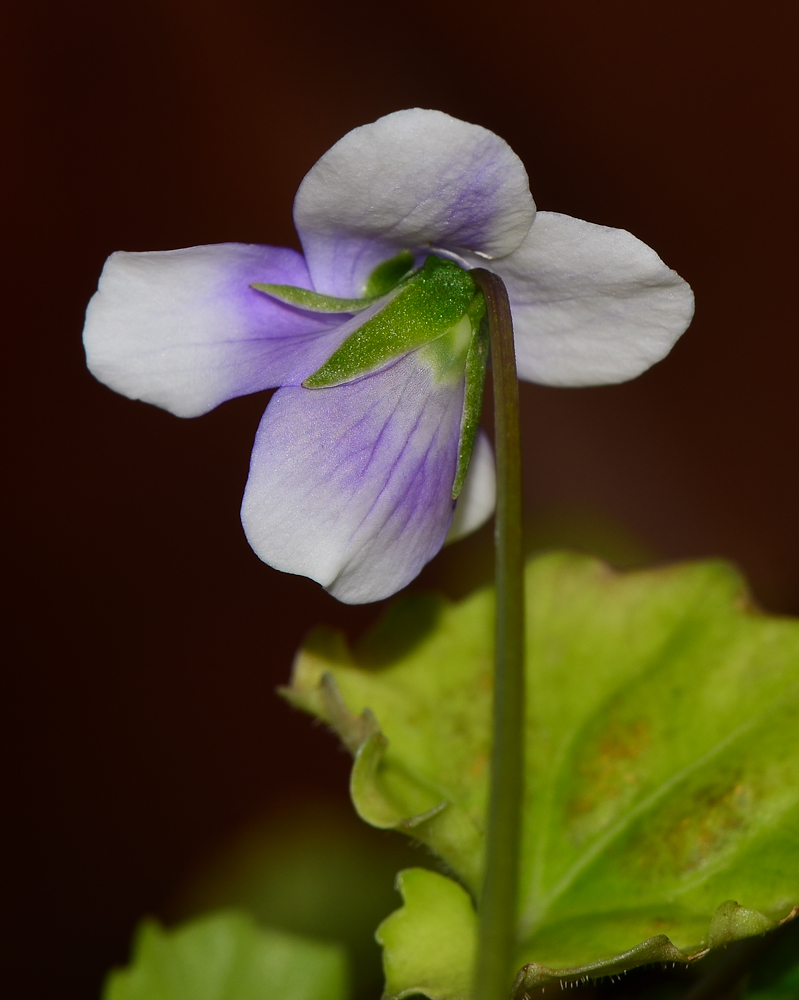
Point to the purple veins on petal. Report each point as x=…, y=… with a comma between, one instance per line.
x=350, y=485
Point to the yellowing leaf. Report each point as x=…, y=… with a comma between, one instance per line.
x=662, y=758
x=431, y=941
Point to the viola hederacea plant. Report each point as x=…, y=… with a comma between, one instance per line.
x=373, y=336
x=638, y=806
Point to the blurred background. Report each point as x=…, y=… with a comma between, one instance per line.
x=145, y=640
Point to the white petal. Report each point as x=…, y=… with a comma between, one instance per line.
x=410, y=180
x=479, y=494
x=591, y=305
x=182, y=328
x=351, y=485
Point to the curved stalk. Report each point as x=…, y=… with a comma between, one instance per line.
x=498, y=904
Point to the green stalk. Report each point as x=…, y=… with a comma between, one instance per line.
x=497, y=909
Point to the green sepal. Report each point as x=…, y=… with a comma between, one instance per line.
x=446, y=355
x=227, y=956
x=476, y=365
x=384, y=278
x=303, y=298
x=429, y=304
x=389, y=274
x=663, y=765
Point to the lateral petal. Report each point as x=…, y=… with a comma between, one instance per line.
x=351, y=485
x=411, y=180
x=591, y=305
x=183, y=329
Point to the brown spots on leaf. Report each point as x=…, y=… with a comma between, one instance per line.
x=610, y=774
x=478, y=766
x=698, y=827
x=624, y=741
x=718, y=814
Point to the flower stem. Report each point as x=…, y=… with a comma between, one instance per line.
x=498, y=904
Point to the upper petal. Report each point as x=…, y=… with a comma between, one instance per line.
x=351, y=485
x=410, y=180
x=591, y=305
x=182, y=328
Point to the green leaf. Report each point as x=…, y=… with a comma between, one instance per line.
x=309, y=867
x=430, y=942
x=663, y=764
x=225, y=956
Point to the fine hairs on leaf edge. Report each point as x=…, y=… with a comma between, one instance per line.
x=361, y=734
x=728, y=924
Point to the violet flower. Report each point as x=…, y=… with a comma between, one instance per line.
x=353, y=475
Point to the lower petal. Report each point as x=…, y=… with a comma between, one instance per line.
x=182, y=328
x=351, y=485
x=591, y=305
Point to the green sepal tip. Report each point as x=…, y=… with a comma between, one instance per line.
x=303, y=298
x=383, y=279
x=431, y=303
x=476, y=365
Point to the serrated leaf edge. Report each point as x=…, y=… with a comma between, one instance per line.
x=315, y=690
x=653, y=950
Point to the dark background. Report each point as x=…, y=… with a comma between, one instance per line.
x=144, y=638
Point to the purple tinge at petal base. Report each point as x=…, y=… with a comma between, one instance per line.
x=182, y=328
x=351, y=486
x=413, y=180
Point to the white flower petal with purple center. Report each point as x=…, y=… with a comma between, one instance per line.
x=410, y=181
x=355, y=477
x=184, y=330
